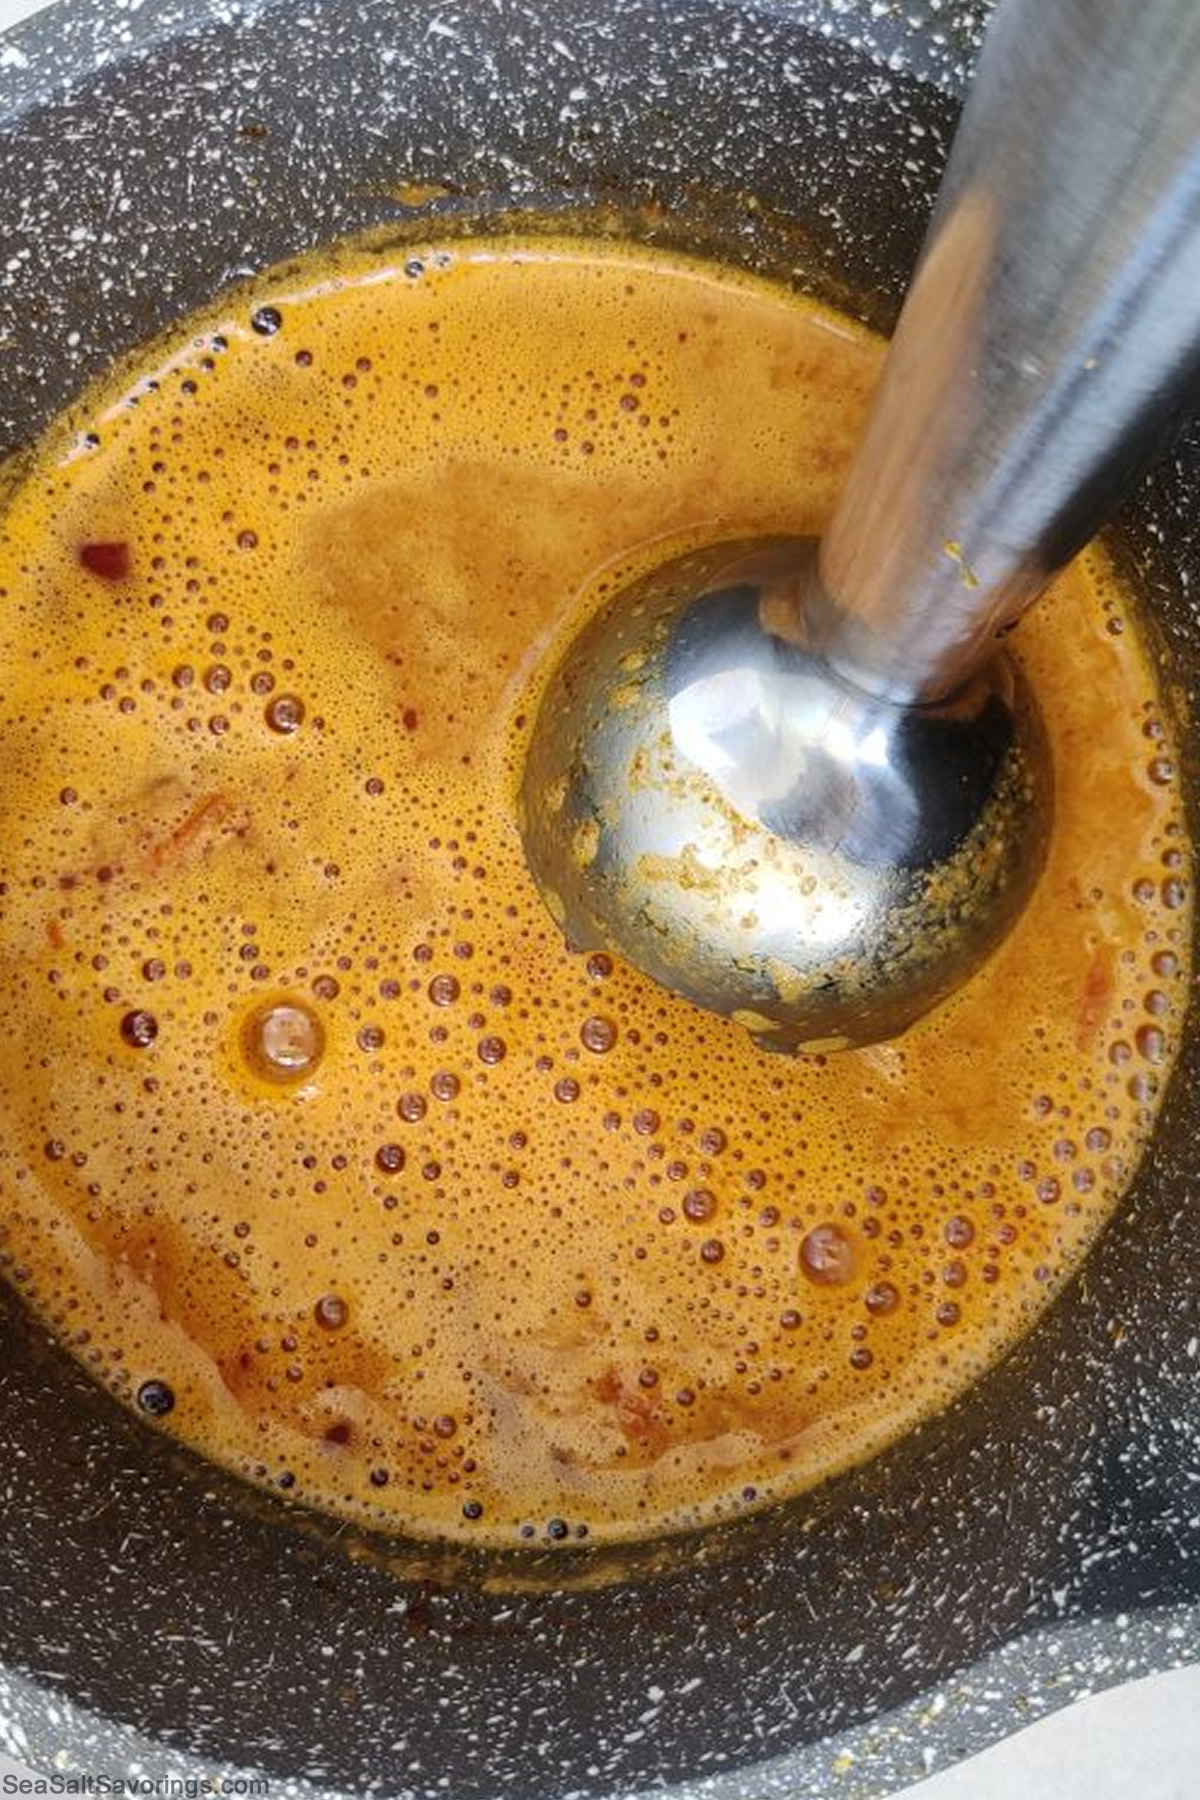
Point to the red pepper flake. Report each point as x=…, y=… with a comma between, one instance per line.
x=1098, y=989
x=109, y=561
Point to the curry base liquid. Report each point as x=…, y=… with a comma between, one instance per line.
x=317, y=1142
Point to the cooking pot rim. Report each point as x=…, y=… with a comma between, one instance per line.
x=1022, y=1682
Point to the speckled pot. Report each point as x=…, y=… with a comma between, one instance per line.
x=1039, y=1539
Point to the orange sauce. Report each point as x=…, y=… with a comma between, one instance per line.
x=318, y=1145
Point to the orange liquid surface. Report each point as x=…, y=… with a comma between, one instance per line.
x=318, y=1144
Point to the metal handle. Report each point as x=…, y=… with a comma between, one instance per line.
x=1049, y=346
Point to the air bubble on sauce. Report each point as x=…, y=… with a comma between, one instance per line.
x=284, y=714
x=139, y=1029
x=156, y=1399
x=827, y=1256
x=598, y=1035
x=283, y=1041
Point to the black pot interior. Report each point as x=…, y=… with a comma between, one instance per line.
x=1063, y=1485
